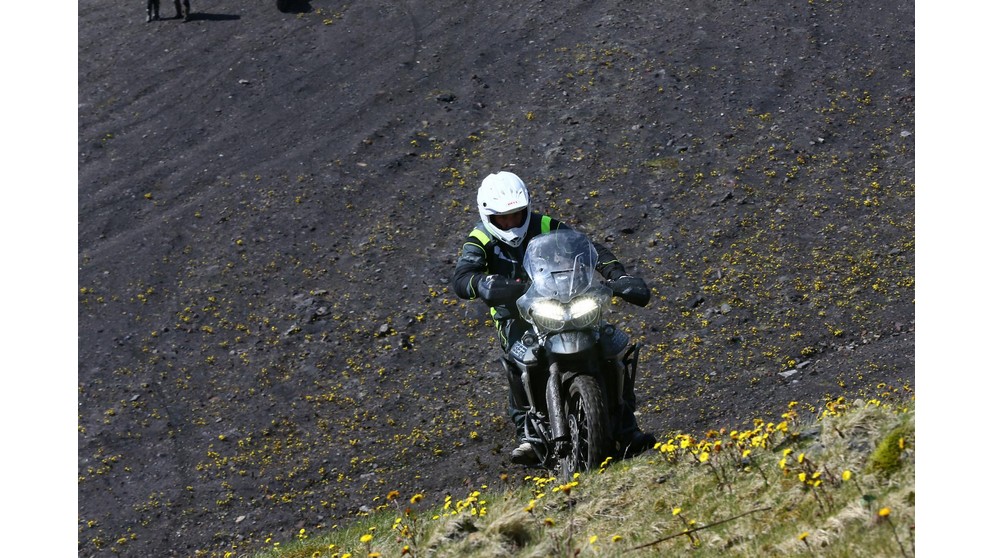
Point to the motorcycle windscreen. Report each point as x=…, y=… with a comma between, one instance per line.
x=561, y=264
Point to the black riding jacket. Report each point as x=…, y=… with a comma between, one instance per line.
x=484, y=255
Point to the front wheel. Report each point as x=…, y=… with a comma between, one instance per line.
x=587, y=418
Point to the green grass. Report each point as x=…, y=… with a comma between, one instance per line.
x=839, y=484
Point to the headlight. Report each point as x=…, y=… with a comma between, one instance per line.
x=552, y=315
x=583, y=311
x=548, y=314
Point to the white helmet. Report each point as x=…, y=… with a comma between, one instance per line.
x=500, y=194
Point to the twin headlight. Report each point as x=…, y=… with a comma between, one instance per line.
x=554, y=316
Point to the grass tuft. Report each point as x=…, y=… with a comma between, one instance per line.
x=887, y=457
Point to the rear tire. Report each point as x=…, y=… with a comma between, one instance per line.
x=587, y=426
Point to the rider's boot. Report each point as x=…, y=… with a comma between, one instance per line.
x=629, y=436
x=524, y=453
x=631, y=439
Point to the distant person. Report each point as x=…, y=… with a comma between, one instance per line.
x=180, y=4
x=180, y=13
x=152, y=10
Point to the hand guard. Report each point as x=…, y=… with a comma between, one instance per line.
x=632, y=289
x=497, y=290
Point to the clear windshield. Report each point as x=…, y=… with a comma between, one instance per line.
x=561, y=264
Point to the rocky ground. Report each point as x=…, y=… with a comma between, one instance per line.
x=270, y=206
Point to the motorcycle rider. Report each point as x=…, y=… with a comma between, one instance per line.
x=490, y=267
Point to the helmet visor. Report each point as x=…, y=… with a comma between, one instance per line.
x=509, y=221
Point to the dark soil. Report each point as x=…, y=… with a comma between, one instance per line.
x=271, y=204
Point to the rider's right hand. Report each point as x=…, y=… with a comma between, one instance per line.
x=497, y=290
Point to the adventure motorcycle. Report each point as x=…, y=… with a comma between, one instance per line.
x=571, y=366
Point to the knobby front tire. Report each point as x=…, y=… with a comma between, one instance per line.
x=587, y=426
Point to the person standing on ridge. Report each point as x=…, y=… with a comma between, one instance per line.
x=153, y=6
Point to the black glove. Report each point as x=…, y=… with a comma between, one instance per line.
x=497, y=290
x=632, y=289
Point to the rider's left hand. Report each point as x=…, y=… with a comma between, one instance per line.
x=632, y=289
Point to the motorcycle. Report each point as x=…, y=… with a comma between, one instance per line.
x=571, y=365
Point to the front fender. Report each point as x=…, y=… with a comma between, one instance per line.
x=570, y=342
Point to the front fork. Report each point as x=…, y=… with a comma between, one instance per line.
x=555, y=405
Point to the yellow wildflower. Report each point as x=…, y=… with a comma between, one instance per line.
x=884, y=512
